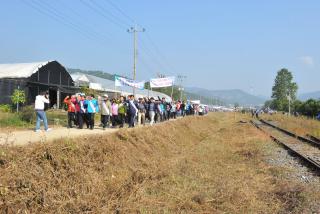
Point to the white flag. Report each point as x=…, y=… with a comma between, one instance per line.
x=161, y=82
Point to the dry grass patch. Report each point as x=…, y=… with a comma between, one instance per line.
x=300, y=125
x=194, y=165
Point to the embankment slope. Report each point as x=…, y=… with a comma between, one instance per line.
x=198, y=164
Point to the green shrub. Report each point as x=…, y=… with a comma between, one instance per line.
x=12, y=120
x=57, y=115
x=5, y=108
x=18, y=97
x=28, y=114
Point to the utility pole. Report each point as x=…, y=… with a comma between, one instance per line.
x=180, y=79
x=135, y=30
x=289, y=99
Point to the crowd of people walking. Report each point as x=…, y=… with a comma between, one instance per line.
x=118, y=111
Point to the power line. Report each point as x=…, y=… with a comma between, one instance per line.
x=147, y=66
x=158, y=57
x=80, y=16
x=56, y=18
x=144, y=46
x=120, y=11
x=159, y=53
x=94, y=8
x=103, y=9
x=151, y=56
x=150, y=67
x=59, y=17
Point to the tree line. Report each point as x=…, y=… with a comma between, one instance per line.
x=284, y=96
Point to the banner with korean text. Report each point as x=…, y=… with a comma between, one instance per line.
x=121, y=81
x=162, y=82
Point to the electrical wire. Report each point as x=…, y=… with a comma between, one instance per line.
x=80, y=16
x=51, y=13
x=120, y=11
x=102, y=14
x=114, y=17
x=158, y=57
x=151, y=56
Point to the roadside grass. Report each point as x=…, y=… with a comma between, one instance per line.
x=208, y=164
x=11, y=120
x=300, y=125
x=27, y=118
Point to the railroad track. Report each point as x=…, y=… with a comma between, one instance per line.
x=309, y=139
x=302, y=147
x=313, y=138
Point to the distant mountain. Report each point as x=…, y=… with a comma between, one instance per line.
x=100, y=74
x=229, y=96
x=311, y=95
x=204, y=99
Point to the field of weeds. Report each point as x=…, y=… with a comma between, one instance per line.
x=300, y=125
x=210, y=164
x=27, y=119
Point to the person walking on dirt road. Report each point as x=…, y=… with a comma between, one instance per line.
x=133, y=111
x=92, y=109
x=105, y=107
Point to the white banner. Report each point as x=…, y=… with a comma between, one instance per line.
x=121, y=81
x=161, y=82
x=95, y=86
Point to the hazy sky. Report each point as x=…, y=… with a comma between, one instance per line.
x=216, y=44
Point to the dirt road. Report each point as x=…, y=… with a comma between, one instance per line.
x=29, y=136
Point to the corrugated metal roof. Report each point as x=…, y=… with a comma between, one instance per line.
x=108, y=85
x=20, y=70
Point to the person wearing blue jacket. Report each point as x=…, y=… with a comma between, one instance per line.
x=92, y=108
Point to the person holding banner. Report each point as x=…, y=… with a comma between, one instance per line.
x=71, y=104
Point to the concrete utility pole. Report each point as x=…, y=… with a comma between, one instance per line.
x=289, y=99
x=180, y=79
x=135, y=30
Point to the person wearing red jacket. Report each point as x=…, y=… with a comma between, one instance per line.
x=71, y=102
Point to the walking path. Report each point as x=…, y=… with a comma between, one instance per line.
x=20, y=138
x=29, y=136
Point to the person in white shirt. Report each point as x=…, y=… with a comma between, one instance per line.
x=39, y=108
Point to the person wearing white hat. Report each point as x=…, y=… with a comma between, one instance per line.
x=105, y=106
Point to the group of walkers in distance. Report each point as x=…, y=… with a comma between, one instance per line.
x=117, y=111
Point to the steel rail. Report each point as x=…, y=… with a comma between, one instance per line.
x=313, y=138
x=303, y=157
x=306, y=140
